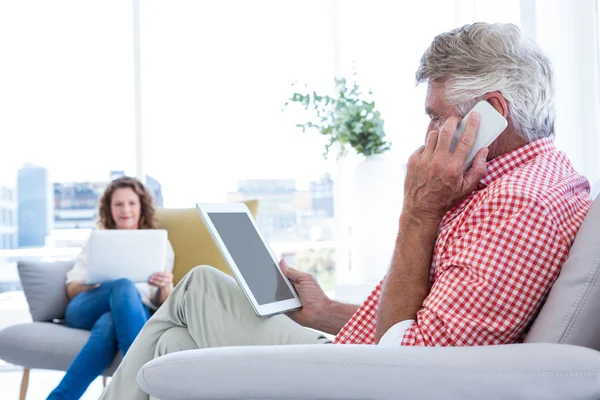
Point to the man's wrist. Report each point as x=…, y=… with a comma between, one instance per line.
x=411, y=217
x=332, y=316
x=324, y=314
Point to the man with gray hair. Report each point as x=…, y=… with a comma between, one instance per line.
x=476, y=251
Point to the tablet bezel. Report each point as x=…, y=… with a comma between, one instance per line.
x=263, y=310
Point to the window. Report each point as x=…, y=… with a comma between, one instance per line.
x=215, y=77
x=67, y=101
x=383, y=43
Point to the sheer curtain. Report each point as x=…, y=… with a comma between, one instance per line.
x=215, y=75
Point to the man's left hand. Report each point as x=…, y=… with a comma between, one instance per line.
x=161, y=279
x=435, y=180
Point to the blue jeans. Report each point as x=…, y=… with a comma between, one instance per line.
x=115, y=314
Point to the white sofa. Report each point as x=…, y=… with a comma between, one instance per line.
x=559, y=359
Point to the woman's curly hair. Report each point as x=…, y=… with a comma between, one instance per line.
x=147, y=214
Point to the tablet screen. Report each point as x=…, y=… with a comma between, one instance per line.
x=251, y=257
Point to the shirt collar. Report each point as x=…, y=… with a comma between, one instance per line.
x=510, y=161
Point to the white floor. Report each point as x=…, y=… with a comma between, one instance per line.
x=41, y=384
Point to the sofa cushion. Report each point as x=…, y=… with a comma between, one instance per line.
x=44, y=287
x=191, y=241
x=571, y=314
x=44, y=345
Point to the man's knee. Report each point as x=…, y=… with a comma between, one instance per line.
x=206, y=279
x=173, y=340
x=204, y=272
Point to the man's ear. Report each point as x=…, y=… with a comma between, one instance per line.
x=498, y=102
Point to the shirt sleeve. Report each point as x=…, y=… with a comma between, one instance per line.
x=491, y=281
x=80, y=268
x=395, y=335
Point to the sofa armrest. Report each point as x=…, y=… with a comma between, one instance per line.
x=522, y=371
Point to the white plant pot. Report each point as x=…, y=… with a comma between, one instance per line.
x=376, y=205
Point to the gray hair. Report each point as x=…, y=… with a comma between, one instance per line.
x=480, y=58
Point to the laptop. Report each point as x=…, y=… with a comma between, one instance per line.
x=131, y=254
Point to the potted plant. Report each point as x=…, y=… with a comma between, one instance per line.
x=347, y=118
x=351, y=119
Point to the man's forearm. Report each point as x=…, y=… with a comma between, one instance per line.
x=407, y=282
x=335, y=317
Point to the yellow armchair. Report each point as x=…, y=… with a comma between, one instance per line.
x=191, y=241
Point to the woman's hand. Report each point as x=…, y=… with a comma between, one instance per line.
x=77, y=287
x=164, y=282
x=161, y=280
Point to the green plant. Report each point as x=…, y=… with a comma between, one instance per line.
x=347, y=119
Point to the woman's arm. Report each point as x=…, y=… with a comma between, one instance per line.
x=78, y=274
x=163, y=281
x=75, y=288
x=161, y=295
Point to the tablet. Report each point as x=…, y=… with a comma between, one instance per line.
x=249, y=257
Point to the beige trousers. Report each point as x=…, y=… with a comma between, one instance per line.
x=206, y=309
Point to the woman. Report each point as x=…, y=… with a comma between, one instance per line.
x=114, y=311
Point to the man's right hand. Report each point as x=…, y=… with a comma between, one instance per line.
x=315, y=303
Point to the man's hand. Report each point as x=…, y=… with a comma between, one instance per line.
x=161, y=279
x=314, y=300
x=435, y=181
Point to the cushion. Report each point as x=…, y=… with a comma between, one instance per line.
x=571, y=314
x=191, y=241
x=44, y=287
x=44, y=345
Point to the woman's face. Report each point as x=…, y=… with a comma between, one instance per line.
x=125, y=208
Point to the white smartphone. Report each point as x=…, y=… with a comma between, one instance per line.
x=491, y=125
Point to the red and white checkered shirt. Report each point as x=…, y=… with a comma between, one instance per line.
x=497, y=254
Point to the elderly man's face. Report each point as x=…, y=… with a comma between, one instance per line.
x=437, y=108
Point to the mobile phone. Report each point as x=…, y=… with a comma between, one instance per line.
x=491, y=125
